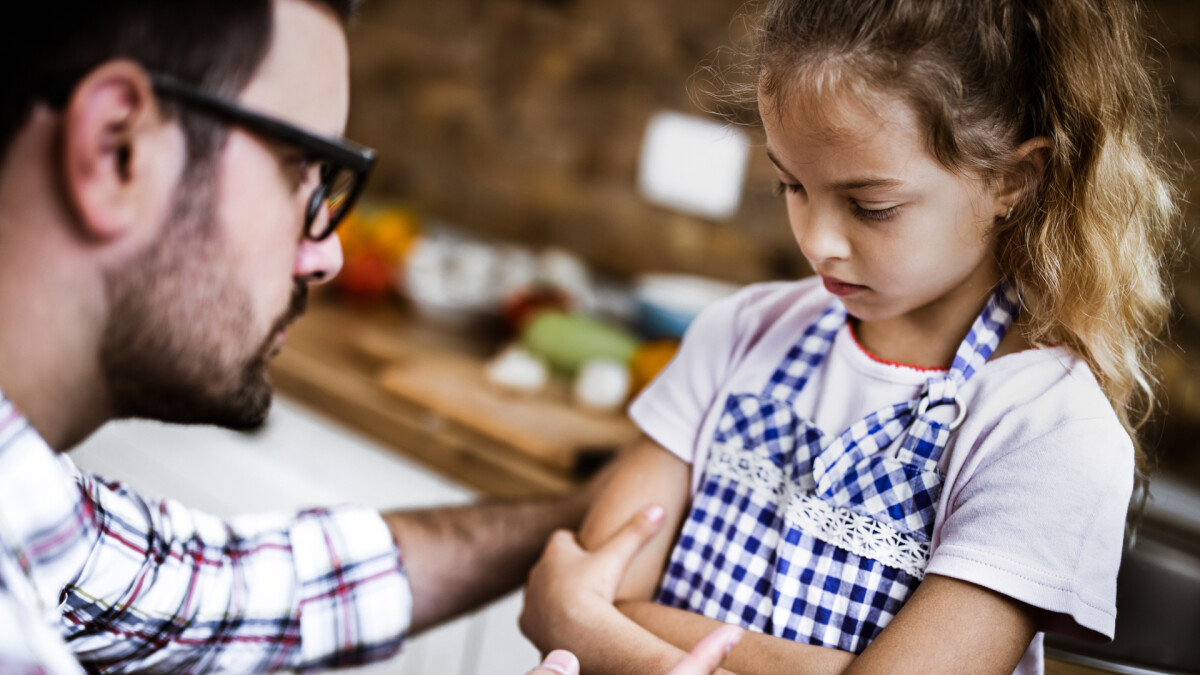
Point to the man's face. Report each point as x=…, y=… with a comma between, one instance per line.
x=197, y=316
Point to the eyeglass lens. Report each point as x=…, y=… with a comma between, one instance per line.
x=336, y=194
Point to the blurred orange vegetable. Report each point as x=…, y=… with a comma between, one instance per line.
x=649, y=360
x=393, y=234
x=374, y=240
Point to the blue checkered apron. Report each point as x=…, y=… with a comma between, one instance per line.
x=817, y=538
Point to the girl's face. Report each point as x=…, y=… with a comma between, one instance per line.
x=891, y=231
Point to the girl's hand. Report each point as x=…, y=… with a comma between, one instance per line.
x=570, y=587
x=708, y=653
x=704, y=658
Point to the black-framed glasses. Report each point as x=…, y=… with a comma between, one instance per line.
x=344, y=165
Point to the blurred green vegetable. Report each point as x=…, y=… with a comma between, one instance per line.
x=567, y=341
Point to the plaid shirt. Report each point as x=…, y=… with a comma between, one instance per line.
x=91, y=571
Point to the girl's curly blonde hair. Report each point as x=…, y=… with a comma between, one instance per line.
x=1091, y=241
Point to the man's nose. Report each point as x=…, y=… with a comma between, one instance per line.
x=318, y=261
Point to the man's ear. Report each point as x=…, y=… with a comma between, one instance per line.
x=1027, y=168
x=111, y=140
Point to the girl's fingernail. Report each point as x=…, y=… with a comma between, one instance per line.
x=654, y=513
x=561, y=661
x=732, y=638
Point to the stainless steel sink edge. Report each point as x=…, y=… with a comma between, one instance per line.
x=1104, y=664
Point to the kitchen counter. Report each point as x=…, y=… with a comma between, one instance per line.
x=337, y=359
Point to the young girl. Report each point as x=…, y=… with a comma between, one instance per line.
x=921, y=458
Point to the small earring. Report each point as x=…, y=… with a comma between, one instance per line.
x=1009, y=214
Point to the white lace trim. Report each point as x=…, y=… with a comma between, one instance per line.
x=734, y=462
x=861, y=535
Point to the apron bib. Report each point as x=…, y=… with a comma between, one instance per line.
x=815, y=537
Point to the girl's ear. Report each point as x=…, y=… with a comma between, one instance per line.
x=112, y=147
x=1026, y=169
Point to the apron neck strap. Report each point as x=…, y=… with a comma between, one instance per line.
x=986, y=333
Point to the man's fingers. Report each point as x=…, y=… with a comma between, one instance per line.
x=708, y=653
x=633, y=535
x=557, y=662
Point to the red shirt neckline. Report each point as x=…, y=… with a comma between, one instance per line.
x=895, y=364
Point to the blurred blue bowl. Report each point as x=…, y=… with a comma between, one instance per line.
x=667, y=303
x=655, y=322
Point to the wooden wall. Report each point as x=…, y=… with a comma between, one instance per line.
x=523, y=119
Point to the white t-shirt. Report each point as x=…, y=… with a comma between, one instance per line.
x=1037, y=479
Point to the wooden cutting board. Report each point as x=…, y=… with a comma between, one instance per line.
x=545, y=426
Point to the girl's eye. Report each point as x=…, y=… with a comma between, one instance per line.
x=793, y=188
x=872, y=214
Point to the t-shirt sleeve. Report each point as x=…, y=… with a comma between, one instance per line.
x=671, y=409
x=1042, y=521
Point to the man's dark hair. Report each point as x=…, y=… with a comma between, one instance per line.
x=215, y=44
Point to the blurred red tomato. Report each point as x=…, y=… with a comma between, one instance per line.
x=365, y=276
x=522, y=305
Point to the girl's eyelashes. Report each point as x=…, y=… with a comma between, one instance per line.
x=784, y=188
x=872, y=214
x=856, y=209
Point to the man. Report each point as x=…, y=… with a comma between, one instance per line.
x=169, y=182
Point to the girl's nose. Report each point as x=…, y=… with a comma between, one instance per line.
x=820, y=235
x=318, y=261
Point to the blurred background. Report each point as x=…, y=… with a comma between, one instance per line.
x=555, y=199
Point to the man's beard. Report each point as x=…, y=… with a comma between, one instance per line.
x=174, y=348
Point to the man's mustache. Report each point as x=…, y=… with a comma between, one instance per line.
x=296, y=308
x=299, y=303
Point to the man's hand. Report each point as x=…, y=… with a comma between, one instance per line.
x=569, y=585
x=704, y=659
x=559, y=661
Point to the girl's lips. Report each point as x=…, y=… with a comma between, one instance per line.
x=840, y=288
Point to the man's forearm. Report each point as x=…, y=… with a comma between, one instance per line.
x=459, y=558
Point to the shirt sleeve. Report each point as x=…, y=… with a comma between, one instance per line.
x=1042, y=521
x=168, y=589
x=27, y=643
x=671, y=409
